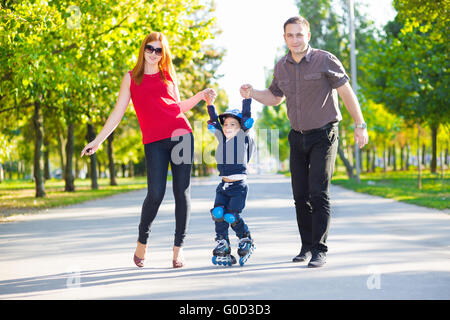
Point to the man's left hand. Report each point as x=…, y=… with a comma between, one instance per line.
x=361, y=137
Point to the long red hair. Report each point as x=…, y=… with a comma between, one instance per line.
x=165, y=64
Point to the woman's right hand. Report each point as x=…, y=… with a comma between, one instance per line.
x=209, y=96
x=90, y=148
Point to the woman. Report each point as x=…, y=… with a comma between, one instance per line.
x=152, y=87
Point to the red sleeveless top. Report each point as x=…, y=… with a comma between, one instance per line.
x=157, y=110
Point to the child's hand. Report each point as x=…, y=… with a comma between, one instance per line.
x=210, y=96
x=246, y=91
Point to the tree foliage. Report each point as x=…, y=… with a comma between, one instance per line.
x=408, y=66
x=64, y=61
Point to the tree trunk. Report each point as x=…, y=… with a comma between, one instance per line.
x=424, y=152
x=70, y=186
x=368, y=159
x=394, y=158
x=446, y=157
x=77, y=168
x=348, y=166
x=131, y=169
x=374, y=159
x=46, y=158
x=10, y=168
x=349, y=150
x=408, y=153
x=24, y=169
x=92, y=158
x=434, y=132
x=402, y=158
x=360, y=151
x=38, y=139
x=112, y=169
x=99, y=170
x=389, y=156
x=21, y=169
x=419, y=164
x=61, y=153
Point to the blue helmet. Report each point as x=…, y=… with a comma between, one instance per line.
x=235, y=113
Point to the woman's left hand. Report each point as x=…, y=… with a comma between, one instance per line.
x=209, y=95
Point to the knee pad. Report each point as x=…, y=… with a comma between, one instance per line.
x=217, y=213
x=231, y=218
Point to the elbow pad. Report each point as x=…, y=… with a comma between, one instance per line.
x=211, y=128
x=248, y=124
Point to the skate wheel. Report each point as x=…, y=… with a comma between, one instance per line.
x=214, y=260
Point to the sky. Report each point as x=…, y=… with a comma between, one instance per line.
x=252, y=34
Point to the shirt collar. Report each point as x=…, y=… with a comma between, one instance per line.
x=307, y=55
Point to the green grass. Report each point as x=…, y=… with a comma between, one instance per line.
x=401, y=186
x=18, y=197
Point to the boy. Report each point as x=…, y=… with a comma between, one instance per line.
x=235, y=148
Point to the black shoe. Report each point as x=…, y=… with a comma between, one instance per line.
x=319, y=258
x=302, y=256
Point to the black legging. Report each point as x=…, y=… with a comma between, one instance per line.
x=158, y=155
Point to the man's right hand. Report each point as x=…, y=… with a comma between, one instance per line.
x=246, y=91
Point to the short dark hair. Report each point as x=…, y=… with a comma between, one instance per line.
x=296, y=20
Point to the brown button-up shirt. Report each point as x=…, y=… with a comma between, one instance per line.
x=309, y=87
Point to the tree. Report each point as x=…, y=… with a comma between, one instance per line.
x=408, y=66
x=63, y=64
x=24, y=68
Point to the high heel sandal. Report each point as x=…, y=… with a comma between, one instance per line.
x=177, y=264
x=138, y=261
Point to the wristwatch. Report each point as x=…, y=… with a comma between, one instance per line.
x=361, y=125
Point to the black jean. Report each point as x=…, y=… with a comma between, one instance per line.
x=231, y=196
x=312, y=158
x=179, y=152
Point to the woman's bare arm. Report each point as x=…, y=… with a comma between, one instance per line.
x=114, y=118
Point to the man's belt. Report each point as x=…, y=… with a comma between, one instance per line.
x=325, y=127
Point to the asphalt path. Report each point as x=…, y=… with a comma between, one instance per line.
x=378, y=249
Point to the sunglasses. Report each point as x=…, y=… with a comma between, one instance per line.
x=157, y=51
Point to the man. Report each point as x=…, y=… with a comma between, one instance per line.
x=309, y=79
